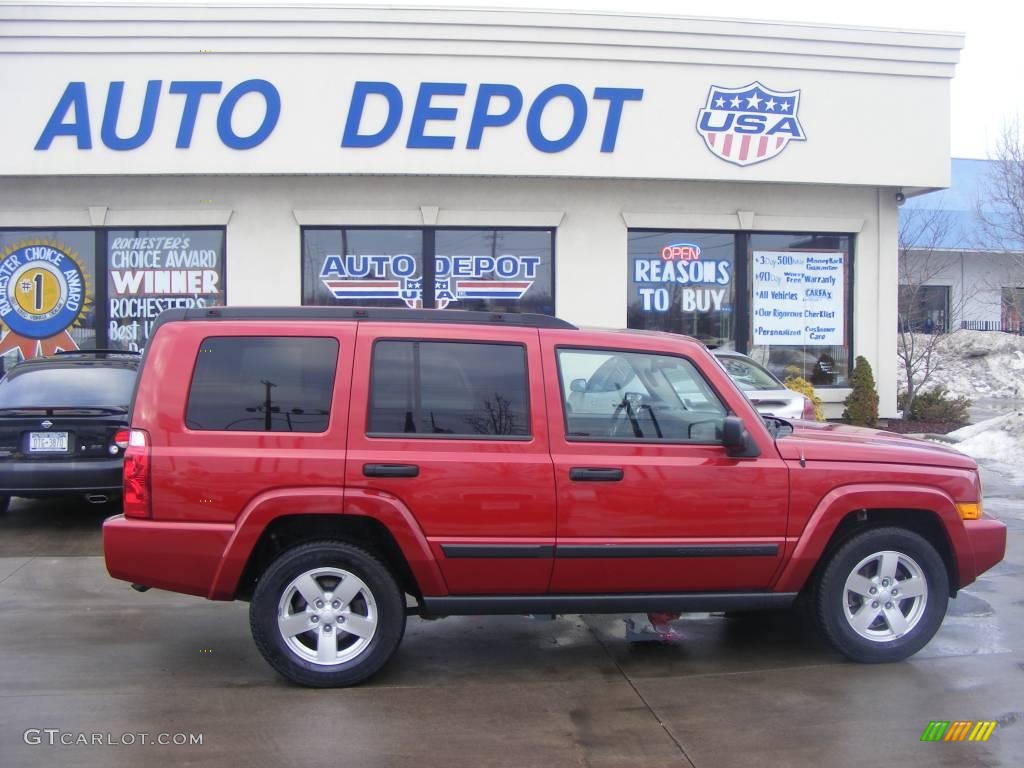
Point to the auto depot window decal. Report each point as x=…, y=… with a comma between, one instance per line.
x=499, y=270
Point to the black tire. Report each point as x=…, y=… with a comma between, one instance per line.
x=888, y=642
x=291, y=657
x=5, y=503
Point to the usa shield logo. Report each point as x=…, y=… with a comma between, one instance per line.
x=750, y=124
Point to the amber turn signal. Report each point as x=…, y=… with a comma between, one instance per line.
x=969, y=510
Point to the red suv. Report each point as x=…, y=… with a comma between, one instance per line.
x=343, y=468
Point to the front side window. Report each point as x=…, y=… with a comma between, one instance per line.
x=440, y=388
x=624, y=396
x=263, y=384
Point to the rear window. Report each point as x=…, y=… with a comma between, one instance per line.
x=263, y=384
x=67, y=386
x=459, y=389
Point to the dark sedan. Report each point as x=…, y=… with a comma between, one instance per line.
x=59, y=419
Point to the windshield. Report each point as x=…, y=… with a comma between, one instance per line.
x=748, y=375
x=67, y=386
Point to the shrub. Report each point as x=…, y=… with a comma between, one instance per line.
x=862, y=403
x=938, y=405
x=805, y=388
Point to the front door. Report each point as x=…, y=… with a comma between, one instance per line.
x=648, y=498
x=455, y=432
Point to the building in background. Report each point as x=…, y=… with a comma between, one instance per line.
x=954, y=273
x=733, y=180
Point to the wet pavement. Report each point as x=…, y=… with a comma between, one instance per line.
x=82, y=653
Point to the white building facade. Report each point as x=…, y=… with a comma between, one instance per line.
x=735, y=181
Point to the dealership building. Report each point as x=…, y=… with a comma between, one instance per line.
x=737, y=181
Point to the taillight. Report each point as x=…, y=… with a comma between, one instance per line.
x=120, y=441
x=808, y=413
x=137, y=497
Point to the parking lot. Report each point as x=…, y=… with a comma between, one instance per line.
x=83, y=654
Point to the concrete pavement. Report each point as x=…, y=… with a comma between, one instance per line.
x=82, y=653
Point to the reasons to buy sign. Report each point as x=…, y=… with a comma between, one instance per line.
x=799, y=298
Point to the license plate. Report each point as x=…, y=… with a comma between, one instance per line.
x=48, y=442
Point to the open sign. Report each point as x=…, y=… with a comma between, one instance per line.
x=681, y=252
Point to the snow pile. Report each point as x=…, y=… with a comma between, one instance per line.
x=976, y=364
x=999, y=439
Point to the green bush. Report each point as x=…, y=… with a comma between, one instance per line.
x=862, y=403
x=805, y=388
x=937, y=405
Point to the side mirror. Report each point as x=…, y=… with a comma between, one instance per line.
x=578, y=385
x=737, y=440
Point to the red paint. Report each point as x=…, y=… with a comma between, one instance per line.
x=213, y=494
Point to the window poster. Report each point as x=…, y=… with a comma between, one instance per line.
x=149, y=271
x=799, y=298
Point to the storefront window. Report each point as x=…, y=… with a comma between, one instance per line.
x=362, y=267
x=483, y=269
x=683, y=282
x=801, y=293
x=150, y=270
x=47, y=292
x=924, y=308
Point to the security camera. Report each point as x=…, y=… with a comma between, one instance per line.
x=900, y=198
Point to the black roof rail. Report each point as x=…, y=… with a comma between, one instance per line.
x=97, y=352
x=368, y=314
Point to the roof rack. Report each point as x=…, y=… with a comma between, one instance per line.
x=369, y=314
x=97, y=352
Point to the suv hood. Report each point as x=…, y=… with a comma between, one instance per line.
x=816, y=441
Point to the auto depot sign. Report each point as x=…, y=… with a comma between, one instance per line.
x=130, y=114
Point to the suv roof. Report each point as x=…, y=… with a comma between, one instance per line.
x=365, y=314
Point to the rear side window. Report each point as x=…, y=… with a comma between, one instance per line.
x=262, y=384
x=67, y=386
x=440, y=388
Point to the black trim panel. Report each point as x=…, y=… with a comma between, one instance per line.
x=574, y=551
x=455, y=551
x=482, y=605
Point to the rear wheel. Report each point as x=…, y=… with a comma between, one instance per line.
x=883, y=595
x=327, y=614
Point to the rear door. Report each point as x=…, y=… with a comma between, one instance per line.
x=450, y=422
x=648, y=499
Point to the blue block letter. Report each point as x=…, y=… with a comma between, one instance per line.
x=363, y=88
x=194, y=90
x=108, y=131
x=484, y=119
x=616, y=97
x=74, y=96
x=579, y=118
x=423, y=112
x=271, y=98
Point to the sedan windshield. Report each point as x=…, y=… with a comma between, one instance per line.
x=67, y=386
x=748, y=375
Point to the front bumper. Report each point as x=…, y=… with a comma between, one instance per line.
x=58, y=477
x=987, y=538
x=179, y=557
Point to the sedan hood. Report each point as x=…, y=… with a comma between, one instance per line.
x=816, y=441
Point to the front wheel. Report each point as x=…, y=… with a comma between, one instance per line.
x=882, y=595
x=327, y=614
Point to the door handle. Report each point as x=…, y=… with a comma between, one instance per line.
x=391, y=470
x=596, y=474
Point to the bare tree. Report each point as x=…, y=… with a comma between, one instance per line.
x=1000, y=212
x=925, y=258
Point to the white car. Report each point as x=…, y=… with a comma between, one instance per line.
x=764, y=389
